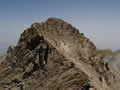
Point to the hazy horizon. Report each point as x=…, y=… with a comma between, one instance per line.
x=99, y=20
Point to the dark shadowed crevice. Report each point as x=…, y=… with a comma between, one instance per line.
x=34, y=42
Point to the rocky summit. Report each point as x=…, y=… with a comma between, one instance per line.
x=54, y=55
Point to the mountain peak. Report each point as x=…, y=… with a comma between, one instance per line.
x=54, y=55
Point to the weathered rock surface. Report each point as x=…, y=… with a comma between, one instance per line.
x=72, y=60
x=2, y=58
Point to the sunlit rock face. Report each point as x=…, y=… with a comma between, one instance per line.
x=114, y=61
x=72, y=60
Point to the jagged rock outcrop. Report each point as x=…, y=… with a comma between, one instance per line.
x=72, y=60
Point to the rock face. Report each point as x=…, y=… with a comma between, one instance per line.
x=54, y=55
x=2, y=58
x=114, y=61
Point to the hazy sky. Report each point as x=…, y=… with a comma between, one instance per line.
x=99, y=20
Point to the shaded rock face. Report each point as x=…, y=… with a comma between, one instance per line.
x=53, y=55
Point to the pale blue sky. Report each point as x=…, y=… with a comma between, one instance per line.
x=99, y=20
